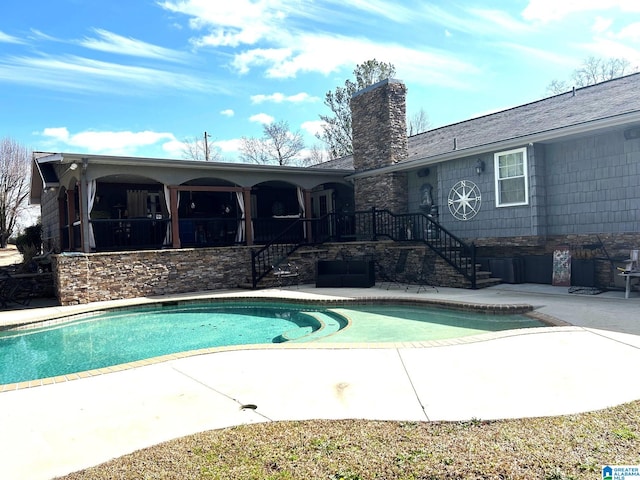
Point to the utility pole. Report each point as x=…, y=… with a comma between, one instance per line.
x=206, y=147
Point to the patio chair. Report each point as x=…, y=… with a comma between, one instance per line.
x=397, y=275
x=287, y=274
x=423, y=275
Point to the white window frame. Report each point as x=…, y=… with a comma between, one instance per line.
x=524, y=176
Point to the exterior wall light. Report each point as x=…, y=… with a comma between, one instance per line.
x=479, y=166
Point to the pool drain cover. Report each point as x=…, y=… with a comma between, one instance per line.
x=248, y=406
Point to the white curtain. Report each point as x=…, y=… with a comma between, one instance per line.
x=301, y=209
x=91, y=197
x=240, y=234
x=168, y=239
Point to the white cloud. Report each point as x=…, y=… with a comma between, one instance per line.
x=498, y=19
x=113, y=43
x=601, y=25
x=313, y=126
x=227, y=113
x=6, y=38
x=228, y=146
x=59, y=133
x=539, y=53
x=241, y=22
x=174, y=148
x=611, y=48
x=63, y=72
x=630, y=32
x=330, y=53
x=554, y=10
x=262, y=118
x=108, y=142
x=280, y=98
x=278, y=40
x=474, y=21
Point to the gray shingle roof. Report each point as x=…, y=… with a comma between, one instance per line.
x=595, y=102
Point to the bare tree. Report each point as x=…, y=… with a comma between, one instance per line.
x=336, y=132
x=592, y=70
x=201, y=149
x=418, y=123
x=278, y=145
x=15, y=168
x=315, y=156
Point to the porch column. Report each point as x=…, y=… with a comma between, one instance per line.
x=173, y=211
x=308, y=214
x=71, y=214
x=84, y=211
x=248, y=224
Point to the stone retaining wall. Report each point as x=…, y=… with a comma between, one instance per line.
x=84, y=278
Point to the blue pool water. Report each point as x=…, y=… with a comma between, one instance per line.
x=115, y=337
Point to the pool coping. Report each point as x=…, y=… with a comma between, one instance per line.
x=90, y=309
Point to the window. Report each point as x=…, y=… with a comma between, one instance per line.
x=512, y=184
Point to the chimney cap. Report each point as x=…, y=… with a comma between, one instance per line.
x=377, y=85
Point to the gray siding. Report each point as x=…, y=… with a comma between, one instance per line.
x=491, y=221
x=593, y=185
x=585, y=185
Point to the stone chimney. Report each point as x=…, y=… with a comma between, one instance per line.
x=379, y=125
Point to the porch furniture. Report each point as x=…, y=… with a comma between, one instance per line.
x=423, y=275
x=286, y=274
x=345, y=273
x=632, y=270
x=397, y=275
x=628, y=276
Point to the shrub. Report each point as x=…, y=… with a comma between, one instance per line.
x=31, y=238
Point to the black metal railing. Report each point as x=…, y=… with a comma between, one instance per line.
x=274, y=252
x=208, y=231
x=368, y=225
x=129, y=234
x=423, y=228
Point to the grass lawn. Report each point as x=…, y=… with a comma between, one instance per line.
x=567, y=447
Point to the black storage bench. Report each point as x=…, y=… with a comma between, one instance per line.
x=345, y=273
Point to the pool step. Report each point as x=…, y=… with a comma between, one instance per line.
x=330, y=325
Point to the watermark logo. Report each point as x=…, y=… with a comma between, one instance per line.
x=621, y=472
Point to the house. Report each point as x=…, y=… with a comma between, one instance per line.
x=558, y=173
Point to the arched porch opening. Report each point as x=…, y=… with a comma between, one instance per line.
x=332, y=207
x=276, y=207
x=126, y=213
x=210, y=213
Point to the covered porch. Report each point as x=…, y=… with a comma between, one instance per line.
x=109, y=204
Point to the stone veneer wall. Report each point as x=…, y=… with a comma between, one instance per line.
x=385, y=254
x=84, y=278
x=378, y=119
x=583, y=246
x=387, y=191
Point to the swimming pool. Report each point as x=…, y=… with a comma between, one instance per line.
x=109, y=338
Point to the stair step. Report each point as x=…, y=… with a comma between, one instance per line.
x=482, y=274
x=487, y=282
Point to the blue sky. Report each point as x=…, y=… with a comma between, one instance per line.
x=138, y=77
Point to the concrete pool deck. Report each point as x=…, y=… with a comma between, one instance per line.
x=55, y=429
